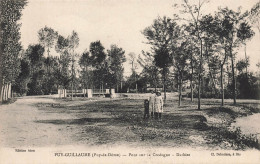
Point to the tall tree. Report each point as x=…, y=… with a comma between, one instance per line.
x=98, y=56
x=37, y=67
x=161, y=35
x=62, y=47
x=181, y=55
x=195, y=16
x=73, y=44
x=85, y=63
x=116, y=58
x=133, y=62
x=232, y=20
x=245, y=33
x=208, y=27
x=10, y=46
x=47, y=37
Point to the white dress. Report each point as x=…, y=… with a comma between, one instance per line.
x=158, y=104
x=151, y=102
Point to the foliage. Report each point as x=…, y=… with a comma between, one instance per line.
x=247, y=86
x=116, y=57
x=47, y=37
x=10, y=14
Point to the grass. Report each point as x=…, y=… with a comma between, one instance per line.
x=121, y=121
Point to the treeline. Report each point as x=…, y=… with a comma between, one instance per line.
x=200, y=50
x=192, y=49
x=93, y=69
x=10, y=46
x=52, y=63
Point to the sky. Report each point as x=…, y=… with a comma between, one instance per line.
x=114, y=22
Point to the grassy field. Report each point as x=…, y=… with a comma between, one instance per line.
x=105, y=121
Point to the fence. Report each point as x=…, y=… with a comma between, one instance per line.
x=6, y=92
x=63, y=93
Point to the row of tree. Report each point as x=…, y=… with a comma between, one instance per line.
x=196, y=49
x=198, y=45
x=36, y=71
x=91, y=69
x=10, y=46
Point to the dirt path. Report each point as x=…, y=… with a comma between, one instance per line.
x=44, y=121
x=19, y=125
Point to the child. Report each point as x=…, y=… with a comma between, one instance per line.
x=151, y=103
x=146, y=109
x=158, y=104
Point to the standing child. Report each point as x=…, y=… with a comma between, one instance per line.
x=158, y=104
x=151, y=103
x=146, y=109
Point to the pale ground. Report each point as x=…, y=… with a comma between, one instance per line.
x=45, y=121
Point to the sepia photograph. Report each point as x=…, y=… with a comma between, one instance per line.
x=129, y=81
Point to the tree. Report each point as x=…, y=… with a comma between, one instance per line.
x=254, y=15
x=73, y=44
x=232, y=20
x=116, y=58
x=193, y=51
x=47, y=37
x=222, y=28
x=195, y=13
x=132, y=58
x=85, y=63
x=207, y=25
x=37, y=69
x=23, y=78
x=10, y=46
x=181, y=55
x=161, y=35
x=245, y=33
x=98, y=56
x=62, y=74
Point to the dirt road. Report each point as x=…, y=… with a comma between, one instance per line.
x=44, y=121
x=19, y=126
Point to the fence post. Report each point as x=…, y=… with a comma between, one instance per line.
x=4, y=97
x=2, y=92
x=89, y=93
x=9, y=90
x=59, y=92
x=65, y=93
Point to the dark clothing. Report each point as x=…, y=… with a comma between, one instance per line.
x=157, y=115
x=146, y=109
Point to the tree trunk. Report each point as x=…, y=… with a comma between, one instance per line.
x=200, y=70
x=1, y=94
x=9, y=93
x=164, y=84
x=102, y=88
x=72, y=70
x=222, y=86
x=246, y=60
x=233, y=77
x=4, y=95
x=121, y=86
x=191, y=79
x=1, y=74
x=180, y=89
